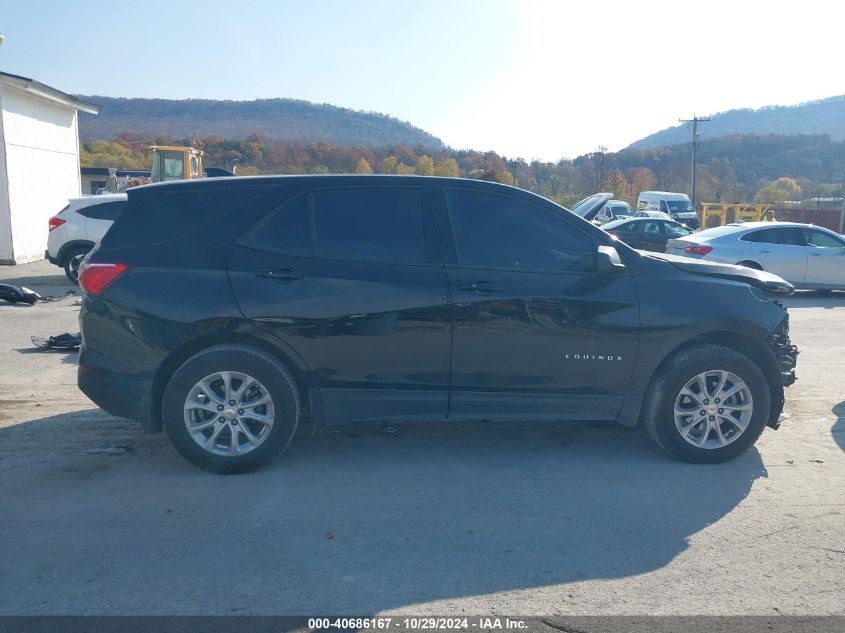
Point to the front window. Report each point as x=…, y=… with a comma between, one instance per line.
x=493, y=231
x=679, y=206
x=822, y=240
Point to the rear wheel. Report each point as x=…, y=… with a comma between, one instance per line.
x=710, y=404
x=231, y=409
x=73, y=258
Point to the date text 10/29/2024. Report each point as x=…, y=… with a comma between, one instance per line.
x=417, y=624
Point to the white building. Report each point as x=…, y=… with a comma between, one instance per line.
x=39, y=163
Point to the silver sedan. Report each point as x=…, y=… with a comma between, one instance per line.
x=806, y=256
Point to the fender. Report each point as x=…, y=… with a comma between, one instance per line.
x=61, y=258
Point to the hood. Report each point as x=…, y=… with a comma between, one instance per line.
x=588, y=208
x=758, y=278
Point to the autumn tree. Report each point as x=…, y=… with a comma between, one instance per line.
x=363, y=167
x=617, y=183
x=642, y=179
x=448, y=168
x=425, y=166
x=778, y=190
x=388, y=165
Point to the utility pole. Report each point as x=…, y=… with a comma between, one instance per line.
x=695, y=120
x=598, y=159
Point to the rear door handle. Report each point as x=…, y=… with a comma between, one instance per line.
x=278, y=274
x=482, y=286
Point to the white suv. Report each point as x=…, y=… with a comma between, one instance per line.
x=75, y=229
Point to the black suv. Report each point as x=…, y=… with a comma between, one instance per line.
x=232, y=311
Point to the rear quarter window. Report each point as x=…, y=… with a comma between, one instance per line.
x=104, y=211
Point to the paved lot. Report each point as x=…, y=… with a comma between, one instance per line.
x=470, y=518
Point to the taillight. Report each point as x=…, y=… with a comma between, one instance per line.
x=698, y=250
x=54, y=222
x=95, y=277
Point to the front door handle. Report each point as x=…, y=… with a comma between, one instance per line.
x=278, y=274
x=482, y=286
x=765, y=250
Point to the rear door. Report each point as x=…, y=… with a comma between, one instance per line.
x=825, y=259
x=352, y=280
x=650, y=235
x=781, y=250
x=537, y=332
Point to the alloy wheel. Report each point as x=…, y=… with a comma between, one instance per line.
x=713, y=409
x=229, y=413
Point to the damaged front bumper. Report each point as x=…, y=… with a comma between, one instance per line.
x=786, y=352
x=787, y=357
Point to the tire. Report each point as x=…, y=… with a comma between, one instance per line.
x=711, y=438
x=187, y=400
x=72, y=259
x=753, y=265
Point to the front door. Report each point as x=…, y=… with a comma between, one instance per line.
x=781, y=250
x=352, y=281
x=825, y=259
x=537, y=332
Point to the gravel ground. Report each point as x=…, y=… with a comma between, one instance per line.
x=97, y=518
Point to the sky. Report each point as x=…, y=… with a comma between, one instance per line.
x=536, y=79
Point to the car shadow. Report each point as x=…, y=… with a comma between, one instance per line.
x=838, y=428
x=70, y=356
x=369, y=518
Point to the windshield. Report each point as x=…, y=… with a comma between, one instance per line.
x=172, y=163
x=679, y=206
x=718, y=231
x=618, y=212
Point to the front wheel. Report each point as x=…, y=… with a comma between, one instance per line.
x=709, y=404
x=231, y=409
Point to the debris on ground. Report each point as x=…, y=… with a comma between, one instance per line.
x=389, y=430
x=106, y=450
x=64, y=341
x=330, y=534
x=13, y=294
x=50, y=298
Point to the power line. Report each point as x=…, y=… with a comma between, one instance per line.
x=695, y=120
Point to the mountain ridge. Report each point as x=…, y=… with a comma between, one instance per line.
x=278, y=119
x=822, y=116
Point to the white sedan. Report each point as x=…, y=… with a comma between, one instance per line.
x=806, y=256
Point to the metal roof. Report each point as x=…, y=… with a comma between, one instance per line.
x=43, y=90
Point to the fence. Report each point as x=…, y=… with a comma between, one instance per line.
x=719, y=214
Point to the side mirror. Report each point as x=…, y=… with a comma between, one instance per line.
x=608, y=260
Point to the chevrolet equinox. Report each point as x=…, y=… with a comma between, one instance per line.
x=233, y=311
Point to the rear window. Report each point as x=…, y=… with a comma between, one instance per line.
x=718, y=231
x=104, y=211
x=387, y=224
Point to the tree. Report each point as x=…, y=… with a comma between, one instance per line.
x=448, y=168
x=617, y=183
x=778, y=190
x=363, y=167
x=388, y=165
x=425, y=166
x=642, y=179
x=402, y=168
